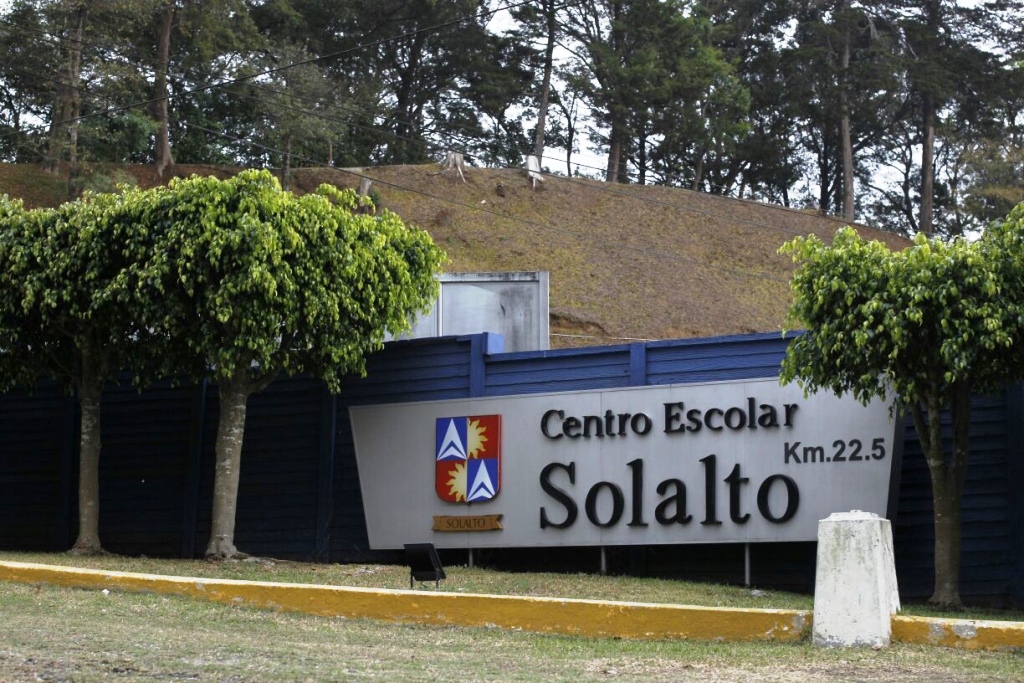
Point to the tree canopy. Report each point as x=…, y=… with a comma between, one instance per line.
x=907, y=114
x=236, y=280
x=925, y=328
x=69, y=311
x=256, y=281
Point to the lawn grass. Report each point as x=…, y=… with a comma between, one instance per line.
x=479, y=580
x=62, y=634
x=460, y=580
x=51, y=633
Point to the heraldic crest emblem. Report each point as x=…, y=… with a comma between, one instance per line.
x=468, y=458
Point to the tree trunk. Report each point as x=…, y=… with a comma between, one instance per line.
x=570, y=131
x=74, y=188
x=162, y=158
x=405, y=149
x=90, y=393
x=641, y=156
x=59, y=118
x=67, y=105
x=617, y=135
x=928, y=165
x=844, y=131
x=824, y=176
x=933, y=12
x=545, y=88
x=234, y=394
x=947, y=477
x=698, y=171
x=611, y=174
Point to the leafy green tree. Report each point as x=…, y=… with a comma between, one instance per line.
x=26, y=80
x=257, y=281
x=195, y=44
x=925, y=328
x=68, y=311
x=762, y=162
x=645, y=66
x=295, y=101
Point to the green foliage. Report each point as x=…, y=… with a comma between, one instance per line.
x=254, y=280
x=234, y=278
x=902, y=325
x=927, y=327
x=117, y=138
x=13, y=369
x=66, y=309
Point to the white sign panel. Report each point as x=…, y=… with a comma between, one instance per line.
x=745, y=461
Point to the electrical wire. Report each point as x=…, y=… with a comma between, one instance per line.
x=506, y=7
x=395, y=136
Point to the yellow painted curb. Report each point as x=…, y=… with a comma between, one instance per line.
x=969, y=634
x=545, y=615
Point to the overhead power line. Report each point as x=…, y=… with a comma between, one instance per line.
x=241, y=80
x=391, y=134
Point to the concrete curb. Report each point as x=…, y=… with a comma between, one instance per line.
x=967, y=634
x=592, y=618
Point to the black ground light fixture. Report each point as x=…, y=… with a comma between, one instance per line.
x=424, y=564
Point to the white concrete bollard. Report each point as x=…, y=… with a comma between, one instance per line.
x=855, y=593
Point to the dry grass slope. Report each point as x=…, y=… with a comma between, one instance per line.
x=626, y=261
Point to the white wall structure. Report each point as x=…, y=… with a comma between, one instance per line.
x=855, y=592
x=512, y=304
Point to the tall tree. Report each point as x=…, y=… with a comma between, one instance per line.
x=188, y=46
x=843, y=71
x=635, y=57
x=949, y=48
x=28, y=80
x=67, y=105
x=444, y=81
x=539, y=24
x=981, y=156
x=68, y=311
x=162, y=157
x=924, y=327
x=257, y=282
x=762, y=161
x=549, y=12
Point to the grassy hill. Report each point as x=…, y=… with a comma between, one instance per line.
x=626, y=261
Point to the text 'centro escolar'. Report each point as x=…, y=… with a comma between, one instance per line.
x=678, y=419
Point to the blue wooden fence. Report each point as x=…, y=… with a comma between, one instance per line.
x=299, y=492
